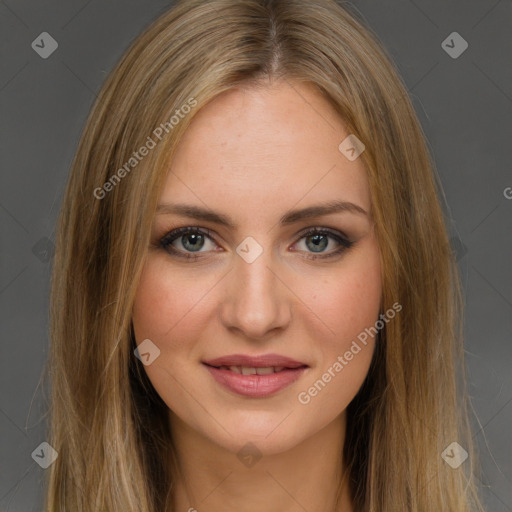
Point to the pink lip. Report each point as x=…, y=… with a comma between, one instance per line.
x=261, y=361
x=255, y=386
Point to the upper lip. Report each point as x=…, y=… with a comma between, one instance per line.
x=261, y=361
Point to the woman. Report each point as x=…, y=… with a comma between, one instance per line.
x=255, y=305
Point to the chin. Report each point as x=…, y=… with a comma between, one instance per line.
x=265, y=433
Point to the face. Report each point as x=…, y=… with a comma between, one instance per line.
x=253, y=290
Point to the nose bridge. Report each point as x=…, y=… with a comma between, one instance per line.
x=256, y=302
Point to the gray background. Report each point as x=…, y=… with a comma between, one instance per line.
x=465, y=107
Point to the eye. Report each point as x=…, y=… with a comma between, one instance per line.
x=316, y=240
x=182, y=240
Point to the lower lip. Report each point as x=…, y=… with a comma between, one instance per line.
x=256, y=386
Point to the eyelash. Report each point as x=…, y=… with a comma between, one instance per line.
x=166, y=241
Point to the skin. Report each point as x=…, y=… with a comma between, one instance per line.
x=252, y=155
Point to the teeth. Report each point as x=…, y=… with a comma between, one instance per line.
x=245, y=370
x=265, y=371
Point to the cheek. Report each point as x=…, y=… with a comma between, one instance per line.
x=163, y=300
x=348, y=303
x=348, y=300
x=151, y=309
x=164, y=303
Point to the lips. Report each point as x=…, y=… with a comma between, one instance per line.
x=251, y=370
x=255, y=376
x=262, y=361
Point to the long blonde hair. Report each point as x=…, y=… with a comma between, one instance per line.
x=107, y=423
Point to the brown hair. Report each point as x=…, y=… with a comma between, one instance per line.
x=108, y=424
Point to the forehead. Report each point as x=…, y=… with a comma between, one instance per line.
x=266, y=147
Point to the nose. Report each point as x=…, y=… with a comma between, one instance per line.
x=256, y=301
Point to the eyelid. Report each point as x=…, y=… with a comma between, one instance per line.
x=323, y=230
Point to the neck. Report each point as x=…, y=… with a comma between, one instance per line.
x=306, y=477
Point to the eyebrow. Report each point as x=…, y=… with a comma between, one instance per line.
x=288, y=218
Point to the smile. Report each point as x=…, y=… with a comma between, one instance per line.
x=255, y=377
